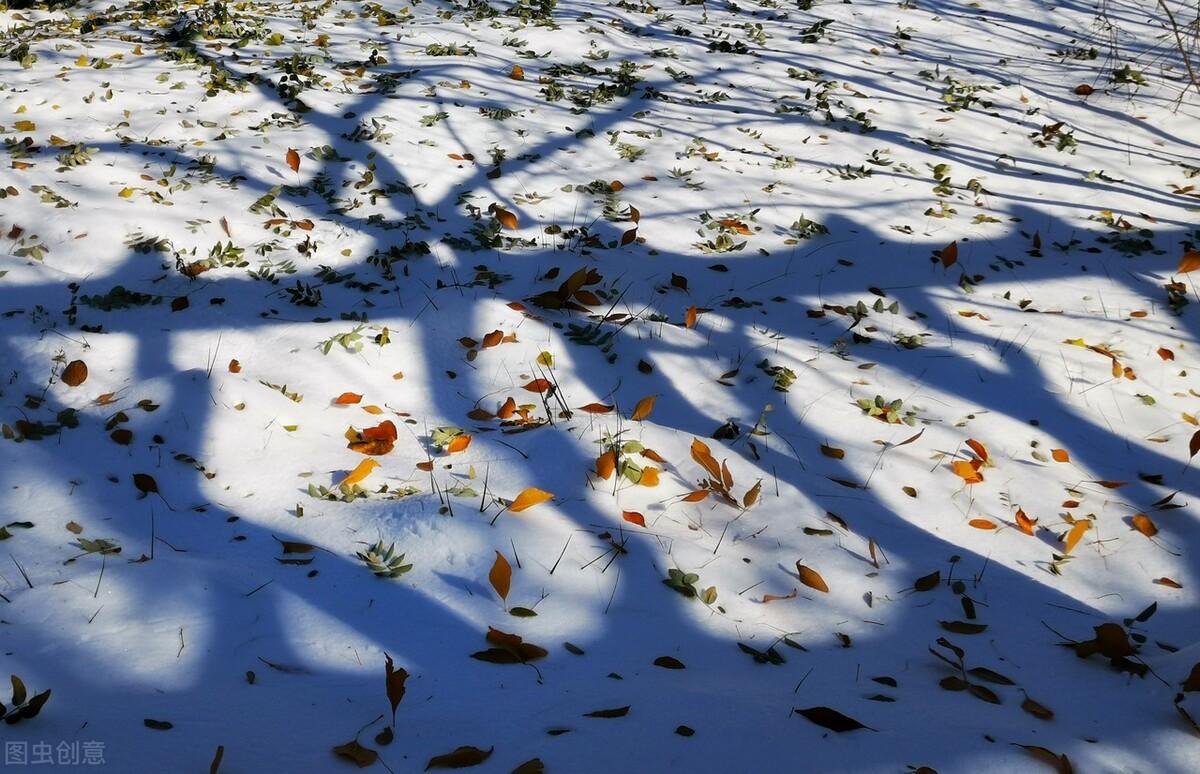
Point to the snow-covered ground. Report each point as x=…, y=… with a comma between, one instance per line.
x=594, y=300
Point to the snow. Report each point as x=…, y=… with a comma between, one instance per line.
x=1055, y=263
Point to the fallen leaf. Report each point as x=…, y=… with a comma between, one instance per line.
x=75, y=374
x=458, y=444
x=356, y=753
x=1190, y=261
x=634, y=517
x=461, y=758
x=360, y=472
x=529, y=498
x=394, y=682
x=293, y=159
x=1060, y=455
x=506, y=218
x=1076, y=534
x=948, y=255
x=811, y=578
x=643, y=408
x=539, y=385
x=347, y=398
x=1144, y=524
x=615, y=712
x=831, y=719
x=500, y=576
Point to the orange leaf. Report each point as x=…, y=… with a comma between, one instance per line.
x=643, y=408
x=501, y=576
x=293, y=159
x=374, y=446
x=982, y=523
x=634, y=518
x=517, y=73
x=372, y=409
x=649, y=477
x=596, y=408
x=506, y=218
x=426, y=466
x=776, y=597
x=949, y=255
x=1165, y=581
x=1076, y=534
x=978, y=448
x=1190, y=261
x=493, y=338
x=606, y=463
x=737, y=226
x=650, y=454
x=833, y=451
x=966, y=471
x=751, y=496
x=811, y=578
x=458, y=444
x=1165, y=353
x=689, y=320
x=696, y=496
x=235, y=367
x=385, y=430
x=539, y=385
x=347, y=397
x=529, y=498
x=1060, y=455
x=1143, y=524
x=360, y=472
x=75, y=374
x=1024, y=523
x=508, y=409
x=704, y=458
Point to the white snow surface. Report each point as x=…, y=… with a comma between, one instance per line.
x=1015, y=243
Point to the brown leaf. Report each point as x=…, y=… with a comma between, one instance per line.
x=1084, y=89
x=928, y=582
x=704, y=458
x=493, y=339
x=1039, y=711
x=394, y=681
x=606, y=463
x=375, y=446
x=615, y=712
x=1165, y=353
x=293, y=159
x=668, y=662
x=531, y=766
x=75, y=374
x=500, y=576
x=356, y=753
x=629, y=237
x=833, y=451
x=461, y=758
x=235, y=367
x=1060, y=763
x=145, y=483
x=831, y=719
x=811, y=578
x=751, y=496
x=1194, y=445
x=978, y=448
x=948, y=255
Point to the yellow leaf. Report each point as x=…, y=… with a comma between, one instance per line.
x=966, y=471
x=1076, y=534
x=363, y=470
x=82, y=61
x=25, y=125
x=125, y=193
x=643, y=408
x=529, y=498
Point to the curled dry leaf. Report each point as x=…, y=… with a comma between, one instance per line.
x=395, y=684
x=1024, y=523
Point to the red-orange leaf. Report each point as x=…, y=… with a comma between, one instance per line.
x=634, y=518
x=508, y=409
x=458, y=444
x=539, y=385
x=978, y=448
x=1024, y=523
x=689, y=319
x=696, y=496
x=982, y=523
x=649, y=477
x=606, y=463
x=347, y=398
x=1190, y=261
x=492, y=339
x=596, y=408
x=1060, y=455
x=949, y=255
x=293, y=159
